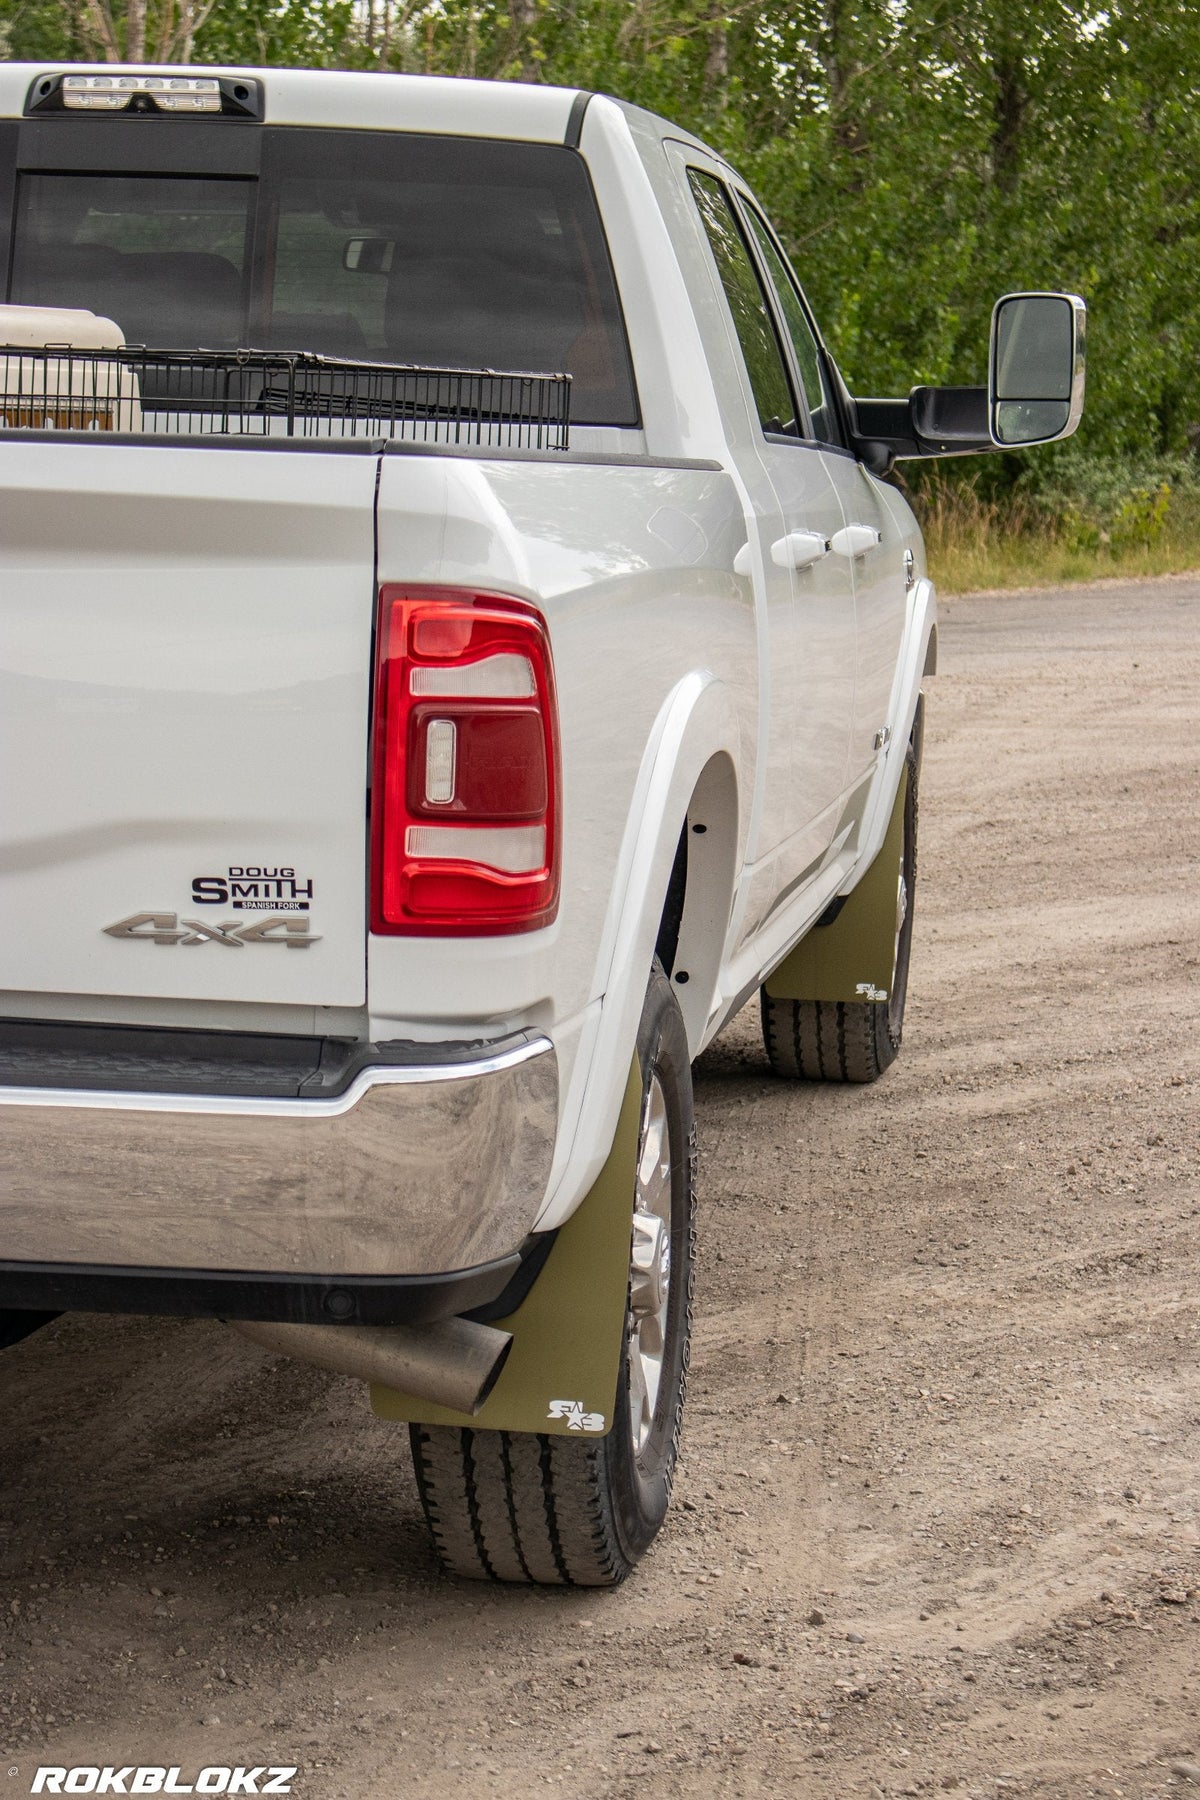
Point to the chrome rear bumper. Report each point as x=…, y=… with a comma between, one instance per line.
x=413, y=1170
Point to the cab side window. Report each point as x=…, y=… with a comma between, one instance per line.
x=821, y=410
x=752, y=319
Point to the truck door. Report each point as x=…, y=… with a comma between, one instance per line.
x=810, y=673
x=869, y=543
x=879, y=605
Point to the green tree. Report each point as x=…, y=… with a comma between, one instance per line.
x=919, y=161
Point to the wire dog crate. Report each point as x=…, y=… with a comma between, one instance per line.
x=256, y=393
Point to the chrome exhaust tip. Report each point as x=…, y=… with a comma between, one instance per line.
x=454, y=1363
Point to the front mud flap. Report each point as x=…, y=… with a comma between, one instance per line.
x=853, y=957
x=569, y=1331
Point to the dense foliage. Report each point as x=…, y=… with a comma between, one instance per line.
x=919, y=160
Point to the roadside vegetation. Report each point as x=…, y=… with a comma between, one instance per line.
x=918, y=160
x=1079, y=518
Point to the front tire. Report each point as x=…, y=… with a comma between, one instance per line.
x=578, y=1512
x=851, y=1040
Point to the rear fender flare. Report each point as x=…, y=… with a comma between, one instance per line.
x=690, y=767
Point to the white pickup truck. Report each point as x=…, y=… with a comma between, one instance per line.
x=457, y=643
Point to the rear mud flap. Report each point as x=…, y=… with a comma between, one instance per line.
x=853, y=957
x=569, y=1331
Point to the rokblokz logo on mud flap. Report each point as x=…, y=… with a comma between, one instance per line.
x=153, y=1778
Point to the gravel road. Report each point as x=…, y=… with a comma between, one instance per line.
x=938, y=1521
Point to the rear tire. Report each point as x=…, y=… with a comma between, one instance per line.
x=580, y=1512
x=851, y=1040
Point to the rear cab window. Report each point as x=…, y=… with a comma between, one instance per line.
x=396, y=248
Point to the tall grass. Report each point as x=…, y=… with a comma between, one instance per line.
x=1081, y=521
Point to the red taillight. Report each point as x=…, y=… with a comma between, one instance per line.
x=465, y=800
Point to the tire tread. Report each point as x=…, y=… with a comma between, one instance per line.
x=517, y=1507
x=838, y=1040
x=558, y=1511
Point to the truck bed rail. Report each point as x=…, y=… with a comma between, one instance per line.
x=290, y=394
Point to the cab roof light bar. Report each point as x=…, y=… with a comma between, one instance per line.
x=109, y=93
x=145, y=92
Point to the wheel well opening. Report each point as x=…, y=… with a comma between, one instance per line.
x=667, y=943
x=699, y=897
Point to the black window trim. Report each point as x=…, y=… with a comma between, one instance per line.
x=571, y=143
x=9, y=140
x=747, y=204
x=768, y=299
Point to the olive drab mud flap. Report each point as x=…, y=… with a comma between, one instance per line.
x=854, y=957
x=569, y=1331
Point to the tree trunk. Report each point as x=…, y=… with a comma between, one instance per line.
x=716, y=63
x=98, y=31
x=135, y=31
x=840, y=72
x=1009, y=118
x=523, y=14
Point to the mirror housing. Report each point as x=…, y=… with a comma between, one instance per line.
x=1034, y=393
x=1036, y=368
x=933, y=421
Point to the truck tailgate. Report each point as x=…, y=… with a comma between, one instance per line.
x=185, y=674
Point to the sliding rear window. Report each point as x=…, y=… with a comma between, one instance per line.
x=443, y=252
x=165, y=257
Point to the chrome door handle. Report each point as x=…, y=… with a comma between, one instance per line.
x=854, y=540
x=799, y=549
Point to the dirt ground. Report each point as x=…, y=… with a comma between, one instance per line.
x=938, y=1521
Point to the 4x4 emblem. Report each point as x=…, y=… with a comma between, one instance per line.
x=165, y=928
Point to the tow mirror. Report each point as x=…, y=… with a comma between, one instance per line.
x=1034, y=393
x=369, y=255
x=1036, y=368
